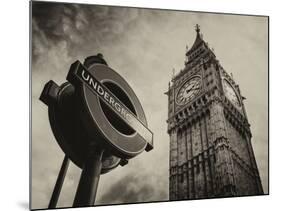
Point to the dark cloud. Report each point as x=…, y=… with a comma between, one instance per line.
x=132, y=189
x=78, y=24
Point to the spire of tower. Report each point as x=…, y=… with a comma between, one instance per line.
x=198, y=41
x=197, y=28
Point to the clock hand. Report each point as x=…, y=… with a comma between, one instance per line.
x=190, y=88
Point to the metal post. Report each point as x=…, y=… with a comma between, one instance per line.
x=59, y=183
x=88, y=184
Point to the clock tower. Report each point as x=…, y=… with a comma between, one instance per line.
x=211, y=154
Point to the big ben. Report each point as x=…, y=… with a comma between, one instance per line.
x=211, y=154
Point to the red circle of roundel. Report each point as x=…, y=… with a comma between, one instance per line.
x=101, y=121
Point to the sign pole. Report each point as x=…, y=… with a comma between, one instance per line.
x=88, y=184
x=59, y=183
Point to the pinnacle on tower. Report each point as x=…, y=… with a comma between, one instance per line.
x=197, y=28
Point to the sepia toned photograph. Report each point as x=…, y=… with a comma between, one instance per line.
x=136, y=105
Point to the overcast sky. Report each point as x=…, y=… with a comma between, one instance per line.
x=143, y=46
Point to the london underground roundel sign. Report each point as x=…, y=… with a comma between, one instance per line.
x=110, y=111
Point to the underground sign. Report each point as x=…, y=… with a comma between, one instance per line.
x=112, y=108
x=97, y=108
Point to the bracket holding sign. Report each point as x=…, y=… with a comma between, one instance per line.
x=98, y=122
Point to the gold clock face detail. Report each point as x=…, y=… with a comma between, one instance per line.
x=231, y=94
x=188, y=90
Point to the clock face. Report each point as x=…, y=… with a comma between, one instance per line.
x=188, y=90
x=231, y=94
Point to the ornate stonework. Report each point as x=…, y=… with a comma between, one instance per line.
x=210, y=138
